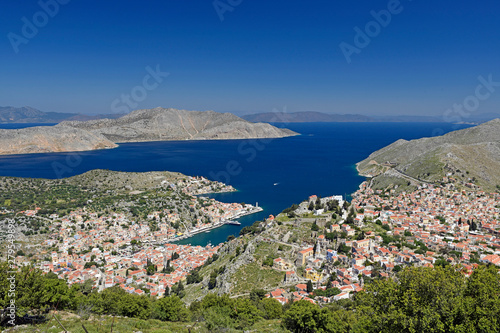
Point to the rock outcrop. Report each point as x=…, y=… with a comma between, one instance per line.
x=46, y=139
x=157, y=124
x=161, y=124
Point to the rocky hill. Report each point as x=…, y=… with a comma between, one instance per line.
x=142, y=125
x=171, y=124
x=50, y=139
x=469, y=156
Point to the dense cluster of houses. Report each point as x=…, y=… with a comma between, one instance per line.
x=110, y=249
x=444, y=220
x=462, y=228
x=130, y=272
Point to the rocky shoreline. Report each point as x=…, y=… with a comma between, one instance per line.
x=157, y=124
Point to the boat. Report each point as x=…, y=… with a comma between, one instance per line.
x=233, y=222
x=276, y=184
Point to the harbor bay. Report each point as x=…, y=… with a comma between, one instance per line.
x=273, y=173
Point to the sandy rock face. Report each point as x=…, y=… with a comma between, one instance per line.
x=46, y=139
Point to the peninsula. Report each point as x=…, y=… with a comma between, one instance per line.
x=157, y=124
x=467, y=158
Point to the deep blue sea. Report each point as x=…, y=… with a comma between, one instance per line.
x=275, y=173
x=18, y=126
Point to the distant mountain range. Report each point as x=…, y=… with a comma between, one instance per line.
x=313, y=116
x=157, y=124
x=471, y=155
x=26, y=114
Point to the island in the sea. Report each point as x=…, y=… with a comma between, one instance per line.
x=158, y=124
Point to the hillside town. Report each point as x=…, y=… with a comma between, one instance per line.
x=386, y=231
x=374, y=236
x=114, y=248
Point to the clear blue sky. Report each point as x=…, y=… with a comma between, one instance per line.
x=263, y=55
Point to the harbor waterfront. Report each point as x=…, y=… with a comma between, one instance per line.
x=275, y=173
x=187, y=235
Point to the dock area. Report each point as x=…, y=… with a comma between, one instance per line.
x=194, y=231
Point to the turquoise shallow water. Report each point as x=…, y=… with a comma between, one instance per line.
x=319, y=161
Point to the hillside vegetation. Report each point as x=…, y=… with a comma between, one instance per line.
x=467, y=157
x=419, y=300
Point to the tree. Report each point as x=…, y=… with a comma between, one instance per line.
x=421, y=300
x=483, y=300
x=310, y=287
x=90, y=264
x=168, y=269
x=303, y=317
x=272, y=308
x=314, y=226
x=318, y=204
x=246, y=312
x=171, y=308
x=151, y=269
x=135, y=306
x=332, y=235
x=269, y=261
x=473, y=226
x=328, y=292
x=344, y=248
x=212, y=282
x=441, y=263
x=86, y=287
x=55, y=292
x=194, y=277
x=257, y=294
x=178, y=289
x=311, y=206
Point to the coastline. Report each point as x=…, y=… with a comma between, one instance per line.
x=215, y=225
x=120, y=143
